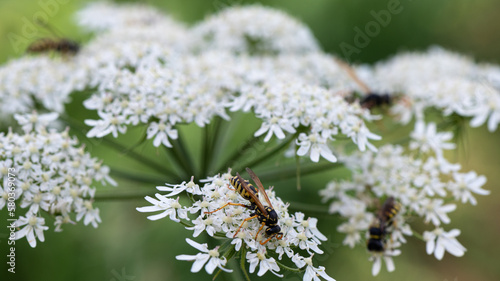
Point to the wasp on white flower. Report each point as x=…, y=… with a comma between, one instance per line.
x=419, y=185
x=217, y=218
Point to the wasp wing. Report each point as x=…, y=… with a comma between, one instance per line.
x=352, y=74
x=252, y=195
x=259, y=185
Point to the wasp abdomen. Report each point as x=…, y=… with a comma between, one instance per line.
x=239, y=188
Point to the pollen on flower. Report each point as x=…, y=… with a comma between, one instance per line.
x=32, y=221
x=213, y=253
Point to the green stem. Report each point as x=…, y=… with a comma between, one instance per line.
x=214, y=145
x=205, y=153
x=238, y=153
x=297, y=164
x=287, y=172
x=112, y=196
x=269, y=154
x=183, y=155
x=173, y=154
x=137, y=178
x=120, y=148
x=243, y=259
x=298, y=270
x=418, y=235
x=185, y=223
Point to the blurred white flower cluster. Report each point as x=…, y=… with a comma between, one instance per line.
x=300, y=234
x=420, y=179
x=449, y=82
x=28, y=81
x=160, y=84
x=253, y=30
x=54, y=177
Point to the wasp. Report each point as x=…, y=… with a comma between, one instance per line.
x=378, y=230
x=266, y=215
x=370, y=99
x=60, y=45
x=377, y=235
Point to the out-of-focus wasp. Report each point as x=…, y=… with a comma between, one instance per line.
x=370, y=99
x=60, y=45
x=265, y=214
x=378, y=230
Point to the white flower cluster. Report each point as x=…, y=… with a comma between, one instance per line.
x=287, y=107
x=99, y=16
x=253, y=30
x=29, y=81
x=145, y=74
x=195, y=89
x=161, y=87
x=420, y=180
x=439, y=79
x=300, y=235
x=53, y=176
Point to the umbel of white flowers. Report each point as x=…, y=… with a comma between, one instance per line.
x=301, y=238
x=51, y=177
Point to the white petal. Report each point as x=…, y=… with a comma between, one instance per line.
x=376, y=266
x=211, y=265
x=197, y=246
x=201, y=259
x=439, y=252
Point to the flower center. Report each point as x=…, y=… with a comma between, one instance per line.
x=32, y=220
x=213, y=253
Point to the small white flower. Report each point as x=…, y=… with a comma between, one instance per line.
x=316, y=145
x=439, y=241
x=189, y=187
x=387, y=257
x=88, y=213
x=209, y=257
x=275, y=126
x=428, y=139
x=312, y=272
x=34, y=228
x=161, y=132
x=435, y=211
x=169, y=206
x=35, y=121
x=466, y=184
x=108, y=124
x=265, y=264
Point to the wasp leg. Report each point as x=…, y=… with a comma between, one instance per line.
x=232, y=204
x=230, y=188
x=247, y=219
x=278, y=236
x=268, y=239
x=259, y=230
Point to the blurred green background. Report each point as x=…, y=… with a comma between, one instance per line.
x=127, y=243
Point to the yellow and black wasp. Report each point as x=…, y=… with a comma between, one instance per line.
x=266, y=215
x=61, y=45
x=378, y=230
